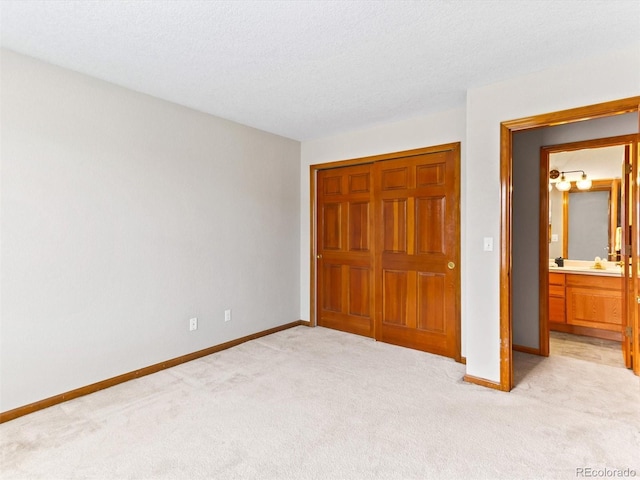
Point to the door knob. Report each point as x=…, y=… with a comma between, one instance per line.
x=318, y=256
x=451, y=265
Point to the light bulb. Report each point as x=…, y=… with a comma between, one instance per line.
x=584, y=183
x=563, y=185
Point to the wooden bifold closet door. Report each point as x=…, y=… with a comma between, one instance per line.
x=345, y=249
x=388, y=250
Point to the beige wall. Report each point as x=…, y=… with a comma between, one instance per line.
x=591, y=81
x=557, y=227
x=117, y=224
x=122, y=217
x=588, y=82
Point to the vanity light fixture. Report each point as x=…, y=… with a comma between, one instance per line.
x=564, y=185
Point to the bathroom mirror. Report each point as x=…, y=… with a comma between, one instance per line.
x=591, y=218
x=583, y=223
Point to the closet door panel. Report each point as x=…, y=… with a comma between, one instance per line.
x=344, y=245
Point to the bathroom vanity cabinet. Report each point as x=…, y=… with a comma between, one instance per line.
x=586, y=304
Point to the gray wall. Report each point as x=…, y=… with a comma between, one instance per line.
x=526, y=227
x=122, y=217
x=590, y=129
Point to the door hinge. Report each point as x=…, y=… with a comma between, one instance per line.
x=628, y=331
x=627, y=168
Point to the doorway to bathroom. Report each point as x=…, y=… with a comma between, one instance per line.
x=521, y=268
x=585, y=187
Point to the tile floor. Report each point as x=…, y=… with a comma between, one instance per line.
x=597, y=350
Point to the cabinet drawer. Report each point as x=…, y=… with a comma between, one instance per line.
x=556, y=291
x=594, y=281
x=556, y=278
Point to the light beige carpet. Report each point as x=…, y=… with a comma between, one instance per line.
x=319, y=404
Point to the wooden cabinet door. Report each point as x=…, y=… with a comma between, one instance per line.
x=417, y=247
x=557, y=311
x=595, y=301
x=344, y=243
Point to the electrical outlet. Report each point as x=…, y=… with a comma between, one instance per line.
x=227, y=315
x=193, y=324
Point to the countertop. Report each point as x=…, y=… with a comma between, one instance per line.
x=609, y=272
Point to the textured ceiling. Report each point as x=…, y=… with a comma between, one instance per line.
x=308, y=69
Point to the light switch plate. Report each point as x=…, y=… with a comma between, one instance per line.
x=488, y=244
